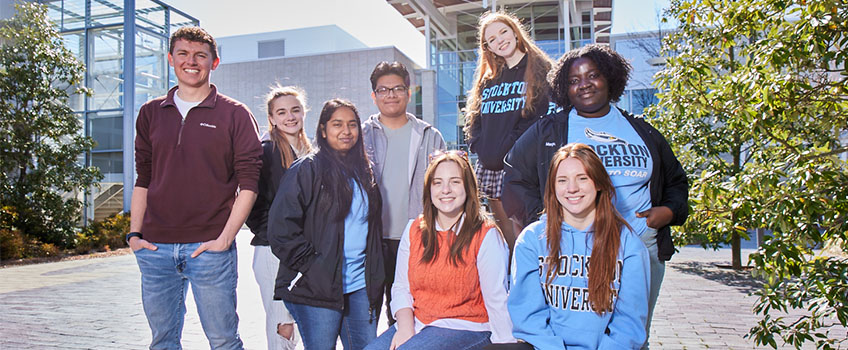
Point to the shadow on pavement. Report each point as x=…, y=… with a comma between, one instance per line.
x=741, y=280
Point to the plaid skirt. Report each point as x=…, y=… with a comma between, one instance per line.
x=490, y=182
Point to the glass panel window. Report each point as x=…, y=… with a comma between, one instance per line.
x=75, y=42
x=70, y=13
x=107, y=129
x=106, y=68
x=54, y=12
x=642, y=98
x=151, y=15
x=105, y=12
x=111, y=164
x=151, y=67
x=274, y=48
x=107, y=198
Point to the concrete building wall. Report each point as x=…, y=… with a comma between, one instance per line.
x=298, y=42
x=323, y=76
x=428, y=99
x=7, y=9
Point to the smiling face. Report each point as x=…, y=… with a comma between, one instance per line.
x=447, y=190
x=575, y=191
x=286, y=114
x=501, y=39
x=192, y=61
x=341, y=130
x=588, y=90
x=391, y=104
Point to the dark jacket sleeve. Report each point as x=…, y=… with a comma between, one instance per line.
x=522, y=196
x=675, y=190
x=287, y=216
x=257, y=220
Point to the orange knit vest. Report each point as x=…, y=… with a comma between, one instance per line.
x=441, y=290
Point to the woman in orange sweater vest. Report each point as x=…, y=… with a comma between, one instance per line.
x=450, y=282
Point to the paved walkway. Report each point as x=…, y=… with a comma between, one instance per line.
x=96, y=304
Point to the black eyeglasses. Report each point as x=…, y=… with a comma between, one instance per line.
x=438, y=153
x=397, y=90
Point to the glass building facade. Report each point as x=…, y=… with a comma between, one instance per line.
x=124, y=45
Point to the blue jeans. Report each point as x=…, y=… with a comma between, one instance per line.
x=657, y=274
x=320, y=327
x=165, y=276
x=434, y=338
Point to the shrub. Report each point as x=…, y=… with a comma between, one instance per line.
x=104, y=235
x=15, y=245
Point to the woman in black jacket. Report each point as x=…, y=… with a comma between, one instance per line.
x=287, y=141
x=325, y=227
x=651, y=187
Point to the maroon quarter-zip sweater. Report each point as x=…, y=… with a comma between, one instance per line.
x=192, y=167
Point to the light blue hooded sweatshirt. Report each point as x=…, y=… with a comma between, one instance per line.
x=559, y=315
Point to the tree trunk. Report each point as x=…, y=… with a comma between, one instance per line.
x=736, y=247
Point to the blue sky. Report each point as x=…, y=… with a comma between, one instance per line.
x=374, y=22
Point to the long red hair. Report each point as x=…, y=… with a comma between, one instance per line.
x=490, y=66
x=607, y=225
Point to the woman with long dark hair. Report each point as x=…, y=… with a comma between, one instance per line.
x=325, y=227
x=650, y=184
x=450, y=281
x=509, y=94
x=578, y=307
x=287, y=141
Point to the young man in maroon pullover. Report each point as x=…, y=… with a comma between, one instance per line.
x=198, y=160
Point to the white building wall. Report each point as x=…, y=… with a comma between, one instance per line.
x=298, y=42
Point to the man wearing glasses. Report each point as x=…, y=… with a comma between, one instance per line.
x=398, y=143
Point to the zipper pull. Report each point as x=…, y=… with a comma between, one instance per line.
x=370, y=314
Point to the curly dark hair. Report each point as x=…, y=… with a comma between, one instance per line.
x=615, y=69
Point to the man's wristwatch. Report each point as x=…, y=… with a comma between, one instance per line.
x=133, y=234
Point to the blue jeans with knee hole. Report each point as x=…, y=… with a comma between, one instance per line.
x=166, y=274
x=320, y=327
x=435, y=338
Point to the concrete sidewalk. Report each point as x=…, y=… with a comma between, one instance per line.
x=96, y=304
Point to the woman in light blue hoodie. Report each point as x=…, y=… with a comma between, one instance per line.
x=556, y=301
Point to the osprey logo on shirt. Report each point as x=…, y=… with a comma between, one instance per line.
x=601, y=136
x=616, y=152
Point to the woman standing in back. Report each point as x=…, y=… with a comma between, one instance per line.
x=510, y=93
x=286, y=113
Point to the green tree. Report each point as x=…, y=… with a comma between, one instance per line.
x=40, y=136
x=754, y=101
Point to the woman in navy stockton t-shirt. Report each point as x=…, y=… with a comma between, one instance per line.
x=510, y=93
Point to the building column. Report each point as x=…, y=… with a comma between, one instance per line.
x=128, y=153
